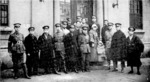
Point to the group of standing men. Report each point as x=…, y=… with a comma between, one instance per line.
x=120, y=48
x=70, y=49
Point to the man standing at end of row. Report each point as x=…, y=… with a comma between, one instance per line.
x=17, y=48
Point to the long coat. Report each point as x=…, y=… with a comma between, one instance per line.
x=108, y=38
x=71, y=47
x=134, y=49
x=118, y=49
x=94, y=41
x=46, y=49
x=31, y=44
x=103, y=33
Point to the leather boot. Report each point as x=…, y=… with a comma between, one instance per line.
x=25, y=71
x=15, y=73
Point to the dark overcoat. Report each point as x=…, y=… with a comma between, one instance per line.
x=46, y=49
x=118, y=48
x=71, y=47
x=134, y=49
x=31, y=44
x=105, y=27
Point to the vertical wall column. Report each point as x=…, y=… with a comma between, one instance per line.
x=56, y=13
x=100, y=13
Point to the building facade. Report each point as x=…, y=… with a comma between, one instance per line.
x=38, y=13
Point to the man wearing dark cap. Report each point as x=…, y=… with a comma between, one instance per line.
x=134, y=49
x=78, y=24
x=17, y=48
x=59, y=48
x=64, y=27
x=108, y=37
x=46, y=48
x=118, y=49
x=68, y=23
x=94, y=21
x=105, y=27
x=31, y=44
x=71, y=48
x=83, y=41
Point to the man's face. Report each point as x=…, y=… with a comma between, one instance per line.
x=71, y=29
x=118, y=27
x=130, y=33
x=109, y=27
x=106, y=22
x=84, y=20
x=84, y=31
x=45, y=30
x=17, y=28
x=79, y=19
x=94, y=20
x=64, y=25
x=31, y=31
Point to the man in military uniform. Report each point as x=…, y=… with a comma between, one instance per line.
x=105, y=27
x=118, y=48
x=31, y=44
x=46, y=48
x=108, y=37
x=59, y=48
x=84, y=48
x=17, y=48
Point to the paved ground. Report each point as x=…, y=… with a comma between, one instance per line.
x=97, y=75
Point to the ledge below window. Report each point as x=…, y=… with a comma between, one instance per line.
x=5, y=31
x=139, y=33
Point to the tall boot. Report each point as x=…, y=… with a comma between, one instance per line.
x=15, y=73
x=25, y=71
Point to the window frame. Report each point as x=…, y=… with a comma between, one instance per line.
x=5, y=3
x=136, y=12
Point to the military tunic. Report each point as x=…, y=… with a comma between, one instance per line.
x=108, y=38
x=59, y=50
x=17, y=48
x=85, y=50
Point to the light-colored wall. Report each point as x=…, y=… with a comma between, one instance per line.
x=42, y=14
x=146, y=23
x=19, y=12
x=118, y=14
x=33, y=13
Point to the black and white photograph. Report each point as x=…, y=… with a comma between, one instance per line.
x=74, y=40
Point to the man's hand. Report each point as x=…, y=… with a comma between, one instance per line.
x=28, y=54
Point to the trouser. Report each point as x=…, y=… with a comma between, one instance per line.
x=32, y=63
x=107, y=51
x=115, y=64
x=19, y=61
x=60, y=60
x=85, y=61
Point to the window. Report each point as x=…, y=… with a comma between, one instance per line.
x=136, y=17
x=4, y=12
x=65, y=9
